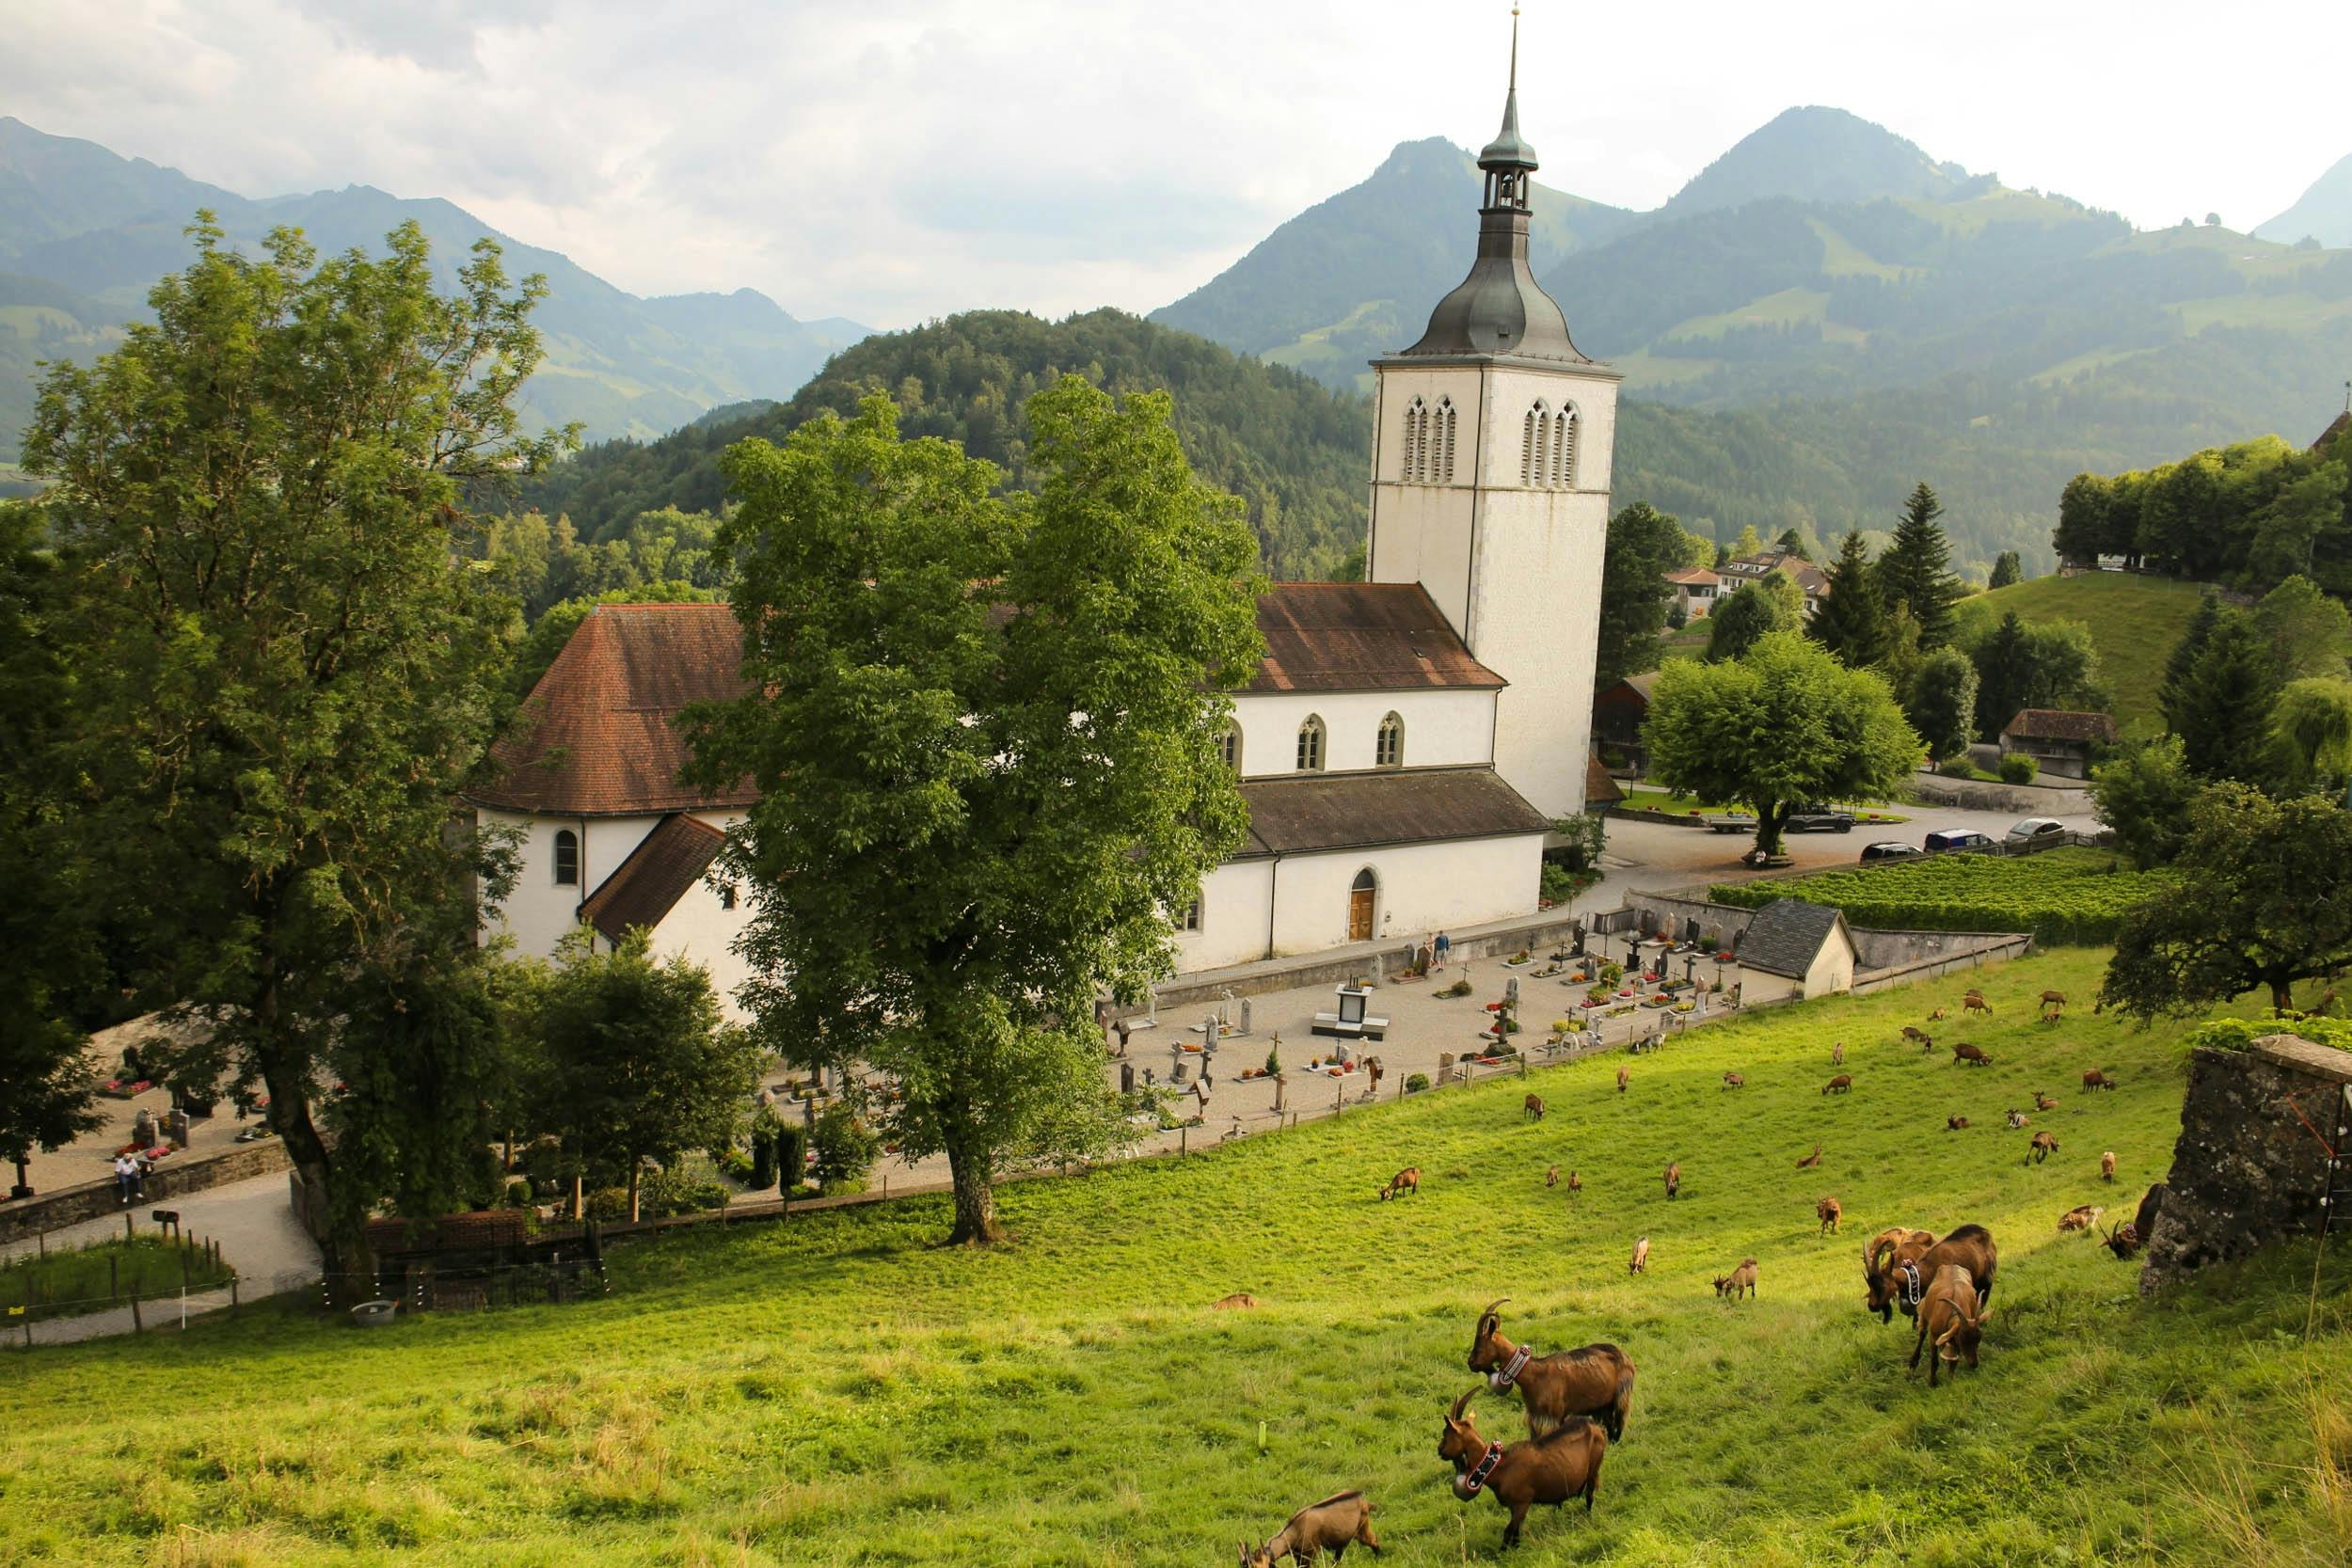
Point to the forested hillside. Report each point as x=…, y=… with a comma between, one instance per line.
x=1298, y=454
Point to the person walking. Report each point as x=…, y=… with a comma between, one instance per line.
x=1443, y=946
x=1124, y=1029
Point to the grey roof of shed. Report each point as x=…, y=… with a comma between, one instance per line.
x=1787, y=936
x=1311, y=811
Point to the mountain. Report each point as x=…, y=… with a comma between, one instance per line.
x=1815, y=154
x=74, y=216
x=2323, y=212
x=1355, y=276
x=1296, y=452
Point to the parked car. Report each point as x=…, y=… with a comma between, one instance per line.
x=1947, y=839
x=2035, y=830
x=1890, y=849
x=1731, y=821
x=1820, y=819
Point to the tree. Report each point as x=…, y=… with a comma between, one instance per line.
x=1942, y=705
x=1749, y=542
x=1782, y=726
x=2041, y=664
x=2144, y=794
x=1772, y=603
x=2004, y=660
x=1791, y=542
x=2173, y=695
x=1916, y=571
x=2007, y=570
x=2311, y=736
x=284, y=672
x=2224, y=714
x=1643, y=546
x=986, y=741
x=2272, y=906
x=1851, y=622
x=2306, y=631
x=635, y=1061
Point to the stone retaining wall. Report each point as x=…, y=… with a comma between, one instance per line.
x=2025, y=799
x=174, y=1177
x=2247, y=1170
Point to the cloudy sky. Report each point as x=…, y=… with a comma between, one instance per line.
x=895, y=161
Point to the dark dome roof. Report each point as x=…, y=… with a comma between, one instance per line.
x=1509, y=150
x=1498, y=308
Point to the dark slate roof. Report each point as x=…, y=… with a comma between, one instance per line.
x=1498, y=311
x=2344, y=422
x=648, y=884
x=2050, y=724
x=1786, y=936
x=1351, y=811
x=1359, y=637
x=598, y=736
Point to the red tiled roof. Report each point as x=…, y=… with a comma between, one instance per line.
x=1348, y=811
x=1600, y=788
x=657, y=873
x=598, y=736
x=2344, y=422
x=2049, y=724
x=1359, y=637
x=1692, y=575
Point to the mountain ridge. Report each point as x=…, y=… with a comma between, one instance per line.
x=2323, y=212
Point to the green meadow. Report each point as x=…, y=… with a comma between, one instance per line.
x=839, y=1390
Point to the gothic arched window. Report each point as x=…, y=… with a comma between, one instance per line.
x=567, y=859
x=1388, y=750
x=1563, y=449
x=1445, y=441
x=1416, y=442
x=1527, y=451
x=1535, y=460
x=1228, y=747
x=1311, y=745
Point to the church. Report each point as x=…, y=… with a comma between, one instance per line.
x=1404, y=748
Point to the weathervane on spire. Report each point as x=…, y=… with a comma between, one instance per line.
x=1508, y=160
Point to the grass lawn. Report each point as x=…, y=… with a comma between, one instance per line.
x=2074, y=894
x=842, y=1390
x=85, y=1279
x=1659, y=800
x=2134, y=622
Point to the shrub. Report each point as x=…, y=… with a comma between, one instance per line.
x=845, y=1149
x=736, y=1166
x=1956, y=766
x=1417, y=1083
x=607, y=1203
x=792, y=1156
x=2018, y=768
x=763, y=1173
x=2060, y=896
x=2236, y=1033
x=1273, y=1061
x=1459, y=987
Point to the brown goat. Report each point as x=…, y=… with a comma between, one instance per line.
x=1405, y=1180
x=2043, y=1146
x=1623, y=1073
x=2053, y=1004
x=1809, y=1161
x=1954, y=1316
x=1838, y=1055
x=1595, y=1380
x=1838, y=1084
x=2107, y=1166
x=1975, y=1003
x=1640, y=1257
x=1673, y=1180
x=1552, y=1176
x=2081, y=1217
x=1576, y=1184
x=1552, y=1468
x=1331, y=1525
x=2018, y=1120
x=1531, y=1107
x=2094, y=1079
x=1738, y=1279
x=2043, y=1102
x=1937, y=1017
x=1955, y=1124
x=2129, y=1237
x=1240, y=1301
x=1912, y=1257
x=1964, y=1051
x=1734, y=1081
x=1912, y=1032
x=1829, y=1213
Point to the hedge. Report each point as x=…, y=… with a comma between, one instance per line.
x=2236, y=1033
x=2062, y=896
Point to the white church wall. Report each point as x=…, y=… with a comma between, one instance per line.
x=1422, y=532
x=541, y=911
x=1422, y=888
x=1233, y=918
x=1442, y=727
x=701, y=929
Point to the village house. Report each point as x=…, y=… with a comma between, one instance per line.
x=1695, y=589
x=1793, y=948
x=2060, y=741
x=1810, y=578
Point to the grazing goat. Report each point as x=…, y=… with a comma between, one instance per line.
x=2018, y=1119
x=2043, y=1147
x=1738, y=1279
x=2053, y=1005
x=2081, y=1217
x=2129, y=1237
x=1531, y=1108
x=1809, y=1161
x=2107, y=1166
x=1838, y=1084
x=1955, y=1124
x=1548, y=1469
x=1912, y=1032
x=1734, y=1081
x=1829, y=1213
x=1595, y=1380
x=2045, y=1102
x=1911, y=1258
x=1964, y=1051
x=1405, y=1180
x=1975, y=1003
x=1331, y=1525
x=1576, y=1184
x=2094, y=1079
x=1640, y=1257
x=1240, y=1301
x=1937, y=1017
x=1673, y=1180
x=1623, y=1073
x=1838, y=1055
x=1552, y=1176
x=1953, y=1315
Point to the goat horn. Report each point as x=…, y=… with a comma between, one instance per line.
x=1460, y=1405
x=1490, y=1312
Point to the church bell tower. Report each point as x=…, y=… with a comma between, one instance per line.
x=1491, y=452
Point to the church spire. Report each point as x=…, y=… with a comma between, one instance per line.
x=1508, y=160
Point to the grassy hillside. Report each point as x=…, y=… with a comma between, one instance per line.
x=841, y=1390
x=2133, y=620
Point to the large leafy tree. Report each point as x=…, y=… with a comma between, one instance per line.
x=1784, y=725
x=1644, y=545
x=1941, y=702
x=2272, y=906
x=1916, y=570
x=2311, y=736
x=2046, y=664
x=1851, y=622
x=1772, y=603
x=985, y=741
x=2305, y=630
x=284, y=671
x=2144, y=794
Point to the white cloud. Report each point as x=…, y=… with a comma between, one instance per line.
x=901, y=163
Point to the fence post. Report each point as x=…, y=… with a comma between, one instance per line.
x=232, y=1295
x=1183, y=1139
x=136, y=1326
x=128, y=1234
x=114, y=1278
